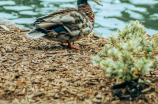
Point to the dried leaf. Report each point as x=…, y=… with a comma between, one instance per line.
x=4, y=27
x=146, y=90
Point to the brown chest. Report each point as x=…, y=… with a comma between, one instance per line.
x=86, y=9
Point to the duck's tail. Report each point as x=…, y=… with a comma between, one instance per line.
x=35, y=34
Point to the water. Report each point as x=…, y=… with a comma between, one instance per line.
x=113, y=15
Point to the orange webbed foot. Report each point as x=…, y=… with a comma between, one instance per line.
x=71, y=46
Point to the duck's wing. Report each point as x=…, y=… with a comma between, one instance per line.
x=51, y=15
x=64, y=25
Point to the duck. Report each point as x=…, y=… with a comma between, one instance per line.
x=65, y=25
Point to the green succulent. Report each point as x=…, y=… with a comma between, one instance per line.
x=156, y=39
x=156, y=58
x=113, y=38
x=143, y=65
x=147, y=48
x=118, y=58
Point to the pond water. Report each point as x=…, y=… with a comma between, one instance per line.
x=113, y=15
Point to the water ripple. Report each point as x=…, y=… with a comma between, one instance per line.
x=113, y=15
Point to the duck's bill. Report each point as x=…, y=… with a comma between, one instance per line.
x=97, y=1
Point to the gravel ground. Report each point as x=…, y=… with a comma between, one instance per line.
x=43, y=71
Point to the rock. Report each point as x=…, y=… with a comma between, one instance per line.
x=96, y=100
x=4, y=27
x=98, y=96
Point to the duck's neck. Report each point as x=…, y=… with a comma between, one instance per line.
x=85, y=8
x=81, y=2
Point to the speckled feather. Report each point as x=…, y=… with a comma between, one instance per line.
x=77, y=23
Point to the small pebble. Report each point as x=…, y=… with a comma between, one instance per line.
x=98, y=96
x=96, y=100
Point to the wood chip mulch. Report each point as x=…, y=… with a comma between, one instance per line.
x=43, y=71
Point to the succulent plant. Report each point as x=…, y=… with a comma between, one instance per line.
x=120, y=57
x=156, y=39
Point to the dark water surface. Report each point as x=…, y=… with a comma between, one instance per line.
x=113, y=15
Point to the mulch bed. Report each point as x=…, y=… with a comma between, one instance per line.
x=43, y=71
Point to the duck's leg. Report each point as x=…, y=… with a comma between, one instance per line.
x=71, y=46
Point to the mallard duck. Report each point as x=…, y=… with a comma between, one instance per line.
x=65, y=25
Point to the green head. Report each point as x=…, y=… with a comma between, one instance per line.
x=85, y=1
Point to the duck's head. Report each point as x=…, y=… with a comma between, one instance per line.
x=85, y=1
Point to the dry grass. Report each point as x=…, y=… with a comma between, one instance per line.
x=42, y=71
